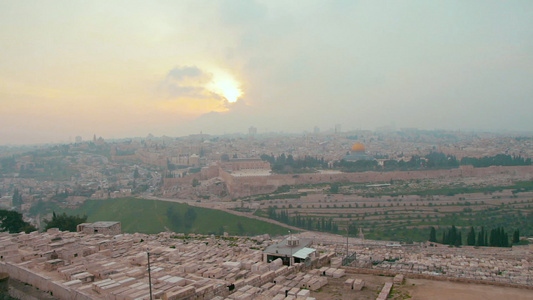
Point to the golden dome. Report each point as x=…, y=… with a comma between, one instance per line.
x=358, y=147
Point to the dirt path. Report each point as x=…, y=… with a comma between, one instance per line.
x=238, y=213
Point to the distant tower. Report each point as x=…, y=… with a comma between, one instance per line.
x=94, y=139
x=78, y=139
x=252, y=131
x=337, y=128
x=316, y=130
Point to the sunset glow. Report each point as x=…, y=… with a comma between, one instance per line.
x=79, y=68
x=225, y=85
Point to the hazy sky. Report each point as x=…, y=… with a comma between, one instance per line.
x=130, y=68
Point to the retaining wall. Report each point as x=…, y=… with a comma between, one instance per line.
x=42, y=282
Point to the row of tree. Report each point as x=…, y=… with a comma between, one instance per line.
x=434, y=160
x=310, y=223
x=64, y=222
x=13, y=222
x=497, y=160
x=497, y=237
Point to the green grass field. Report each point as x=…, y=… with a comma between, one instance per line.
x=151, y=216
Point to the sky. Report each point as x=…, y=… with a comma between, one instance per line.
x=130, y=68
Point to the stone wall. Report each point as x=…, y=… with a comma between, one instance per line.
x=353, y=270
x=245, y=186
x=41, y=282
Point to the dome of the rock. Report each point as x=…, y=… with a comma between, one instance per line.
x=358, y=147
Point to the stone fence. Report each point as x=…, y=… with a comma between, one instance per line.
x=42, y=282
x=353, y=270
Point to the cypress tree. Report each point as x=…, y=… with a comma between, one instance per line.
x=492, y=239
x=471, y=238
x=432, y=234
x=516, y=236
x=459, y=240
x=481, y=237
x=452, y=235
x=505, y=240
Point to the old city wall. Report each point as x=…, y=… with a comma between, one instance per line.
x=187, y=180
x=245, y=186
x=210, y=172
x=204, y=174
x=253, y=185
x=229, y=180
x=170, y=182
x=42, y=282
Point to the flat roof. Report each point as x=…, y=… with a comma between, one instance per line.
x=304, y=252
x=282, y=249
x=102, y=224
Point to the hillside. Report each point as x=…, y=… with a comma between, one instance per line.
x=153, y=216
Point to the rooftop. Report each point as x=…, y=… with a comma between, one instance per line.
x=282, y=248
x=102, y=224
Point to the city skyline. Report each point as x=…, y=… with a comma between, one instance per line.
x=121, y=70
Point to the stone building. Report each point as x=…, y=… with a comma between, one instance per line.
x=107, y=228
x=292, y=249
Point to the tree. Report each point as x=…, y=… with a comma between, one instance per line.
x=189, y=217
x=12, y=222
x=452, y=237
x=64, y=222
x=352, y=229
x=432, y=234
x=195, y=182
x=459, y=239
x=516, y=236
x=174, y=217
x=471, y=238
x=240, y=228
x=481, y=238
x=498, y=238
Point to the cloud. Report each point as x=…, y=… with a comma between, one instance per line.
x=187, y=82
x=186, y=72
x=364, y=65
x=299, y=64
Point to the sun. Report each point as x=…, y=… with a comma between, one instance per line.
x=226, y=86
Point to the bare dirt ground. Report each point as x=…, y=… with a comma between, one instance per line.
x=419, y=289
x=335, y=289
x=443, y=290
